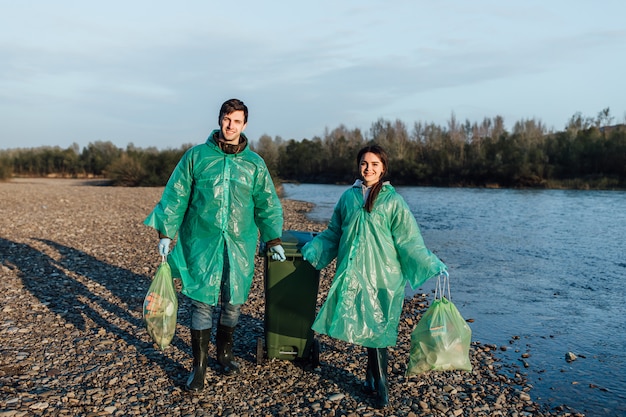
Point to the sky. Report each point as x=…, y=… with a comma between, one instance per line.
x=154, y=73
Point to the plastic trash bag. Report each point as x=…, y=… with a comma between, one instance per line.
x=441, y=339
x=160, y=307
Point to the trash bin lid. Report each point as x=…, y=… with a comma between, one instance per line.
x=294, y=240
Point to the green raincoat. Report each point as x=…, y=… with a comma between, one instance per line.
x=214, y=198
x=377, y=253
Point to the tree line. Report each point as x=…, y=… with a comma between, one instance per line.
x=588, y=153
x=102, y=159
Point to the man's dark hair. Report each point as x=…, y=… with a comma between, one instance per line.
x=232, y=105
x=382, y=155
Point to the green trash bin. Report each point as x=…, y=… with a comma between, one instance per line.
x=290, y=302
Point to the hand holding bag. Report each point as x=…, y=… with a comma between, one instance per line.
x=441, y=339
x=160, y=306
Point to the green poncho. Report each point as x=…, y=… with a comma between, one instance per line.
x=213, y=198
x=377, y=253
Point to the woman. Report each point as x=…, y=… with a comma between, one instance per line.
x=378, y=247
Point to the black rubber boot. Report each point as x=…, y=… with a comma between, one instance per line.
x=377, y=358
x=200, y=348
x=224, y=342
x=369, y=387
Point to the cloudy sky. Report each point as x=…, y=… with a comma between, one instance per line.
x=154, y=73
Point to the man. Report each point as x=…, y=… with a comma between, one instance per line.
x=217, y=200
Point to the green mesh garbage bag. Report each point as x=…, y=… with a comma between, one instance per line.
x=441, y=339
x=160, y=307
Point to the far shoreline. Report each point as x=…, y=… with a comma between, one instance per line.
x=573, y=185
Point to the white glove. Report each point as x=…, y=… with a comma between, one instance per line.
x=164, y=246
x=278, y=253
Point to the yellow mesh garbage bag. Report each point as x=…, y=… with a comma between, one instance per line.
x=160, y=307
x=441, y=339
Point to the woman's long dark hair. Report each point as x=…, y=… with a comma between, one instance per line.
x=382, y=155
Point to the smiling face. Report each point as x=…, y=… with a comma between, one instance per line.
x=232, y=125
x=371, y=168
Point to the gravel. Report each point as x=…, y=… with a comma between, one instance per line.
x=75, y=264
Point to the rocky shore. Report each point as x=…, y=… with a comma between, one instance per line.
x=75, y=264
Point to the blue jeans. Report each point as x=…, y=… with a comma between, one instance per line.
x=202, y=313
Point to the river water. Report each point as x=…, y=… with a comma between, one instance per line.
x=541, y=272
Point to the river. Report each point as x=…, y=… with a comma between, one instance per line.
x=541, y=272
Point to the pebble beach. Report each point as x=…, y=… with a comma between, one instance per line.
x=75, y=264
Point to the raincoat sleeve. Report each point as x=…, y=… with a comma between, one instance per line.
x=417, y=262
x=268, y=212
x=169, y=212
x=324, y=247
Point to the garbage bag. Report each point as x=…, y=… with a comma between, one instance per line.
x=441, y=339
x=160, y=307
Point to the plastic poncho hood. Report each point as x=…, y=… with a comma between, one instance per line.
x=216, y=204
x=377, y=253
